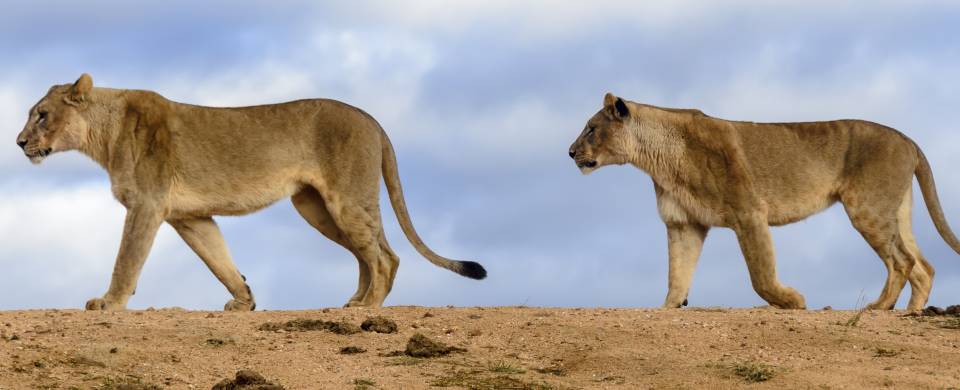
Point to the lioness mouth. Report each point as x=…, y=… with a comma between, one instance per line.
x=40, y=153
x=588, y=164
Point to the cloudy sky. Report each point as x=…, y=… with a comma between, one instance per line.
x=481, y=100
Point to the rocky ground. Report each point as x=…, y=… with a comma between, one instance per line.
x=479, y=348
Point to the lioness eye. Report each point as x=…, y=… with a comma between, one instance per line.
x=590, y=130
x=41, y=116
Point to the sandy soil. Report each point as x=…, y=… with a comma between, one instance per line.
x=506, y=348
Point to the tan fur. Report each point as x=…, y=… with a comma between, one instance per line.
x=184, y=164
x=747, y=176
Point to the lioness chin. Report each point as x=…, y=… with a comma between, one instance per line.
x=748, y=176
x=183, y=164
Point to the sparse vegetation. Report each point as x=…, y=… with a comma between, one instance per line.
x=505, y=368
x=476, y=380
x=363, y=384
x=861, y=308
x=754, y=372
x=952, y=323
x=884, y=352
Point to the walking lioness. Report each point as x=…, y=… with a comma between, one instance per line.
x=183, y=164
x=747, y=176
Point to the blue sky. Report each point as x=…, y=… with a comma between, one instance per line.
x=481, y=100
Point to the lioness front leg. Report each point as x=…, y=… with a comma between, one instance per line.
x=139, y=230
x=757, y=246
x=685, y=241
x=204, y=237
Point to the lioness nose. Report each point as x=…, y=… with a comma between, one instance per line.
x=573, y=153
x=22, y=143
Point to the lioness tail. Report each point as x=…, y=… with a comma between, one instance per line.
x=391, y=178
x=929, y=190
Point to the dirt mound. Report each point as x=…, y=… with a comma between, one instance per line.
x=508, y=348
x=247, y=380
x=303, y=325
x=423, y=347
x=379, y=324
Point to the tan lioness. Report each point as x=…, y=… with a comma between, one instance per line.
x=748, y=176
x=183, y=164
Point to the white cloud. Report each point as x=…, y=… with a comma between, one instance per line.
x=378, y=71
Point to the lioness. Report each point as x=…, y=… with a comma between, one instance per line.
x=183, y=164
x=747, y=176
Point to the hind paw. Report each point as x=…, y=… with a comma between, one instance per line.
x=236, y=305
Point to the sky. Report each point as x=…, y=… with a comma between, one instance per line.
x=481, y=100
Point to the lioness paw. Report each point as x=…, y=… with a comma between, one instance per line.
x=235, y=305
x=103, y=304
x=96, y=304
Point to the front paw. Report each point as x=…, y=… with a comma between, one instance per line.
x=101, y=304
x=235, y=305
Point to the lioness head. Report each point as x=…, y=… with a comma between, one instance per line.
x=606, y=139
x=54, y=124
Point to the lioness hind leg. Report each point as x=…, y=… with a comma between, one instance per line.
x=312, y=208
x=390, y=258
x=204, y=237
x=358, y=217
x=877, y=223
x=921, y=276
x=757, y=246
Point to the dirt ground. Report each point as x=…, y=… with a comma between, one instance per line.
x=486, y=348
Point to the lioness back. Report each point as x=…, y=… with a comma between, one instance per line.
x=241, y=157
x=799, y=168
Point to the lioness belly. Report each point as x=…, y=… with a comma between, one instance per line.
x=187, y=202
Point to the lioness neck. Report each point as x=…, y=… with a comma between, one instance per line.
x=657, y=146
x=104, y=114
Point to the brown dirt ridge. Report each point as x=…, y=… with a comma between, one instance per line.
x=479, y=348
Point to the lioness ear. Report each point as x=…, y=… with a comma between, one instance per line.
x=615, y=106
x=80, y=89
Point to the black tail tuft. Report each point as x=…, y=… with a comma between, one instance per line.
x=472, y=270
